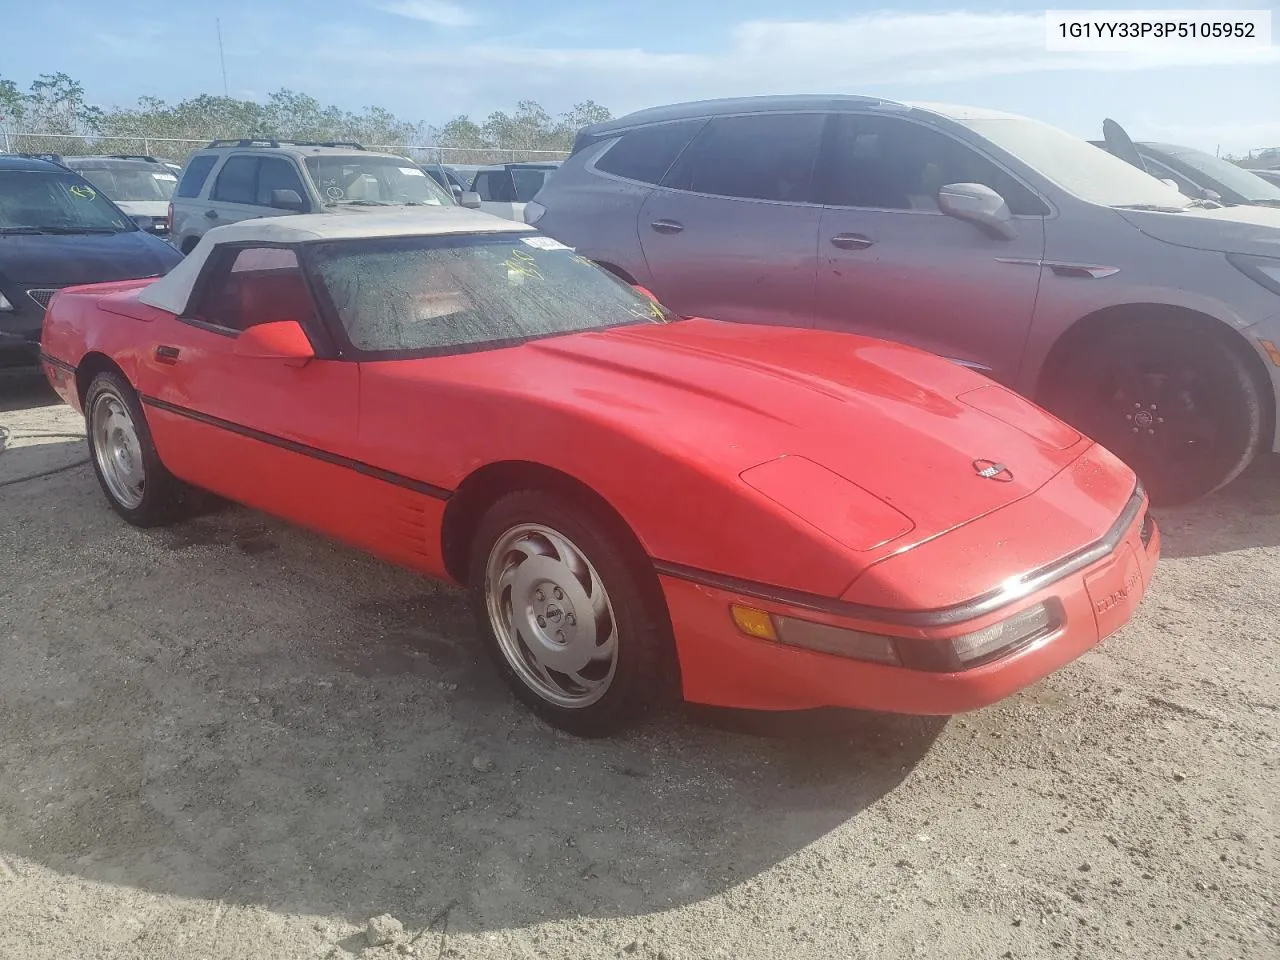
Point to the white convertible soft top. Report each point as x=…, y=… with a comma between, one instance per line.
x=172, y=291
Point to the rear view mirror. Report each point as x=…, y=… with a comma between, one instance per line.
x=469, y=199
x=280, y=340
x=978, y=204
x=287, y=200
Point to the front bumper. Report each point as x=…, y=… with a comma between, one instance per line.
x=721, y=666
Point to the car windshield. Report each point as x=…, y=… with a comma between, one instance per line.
x=374, y=180
x=529, y=181
x=128, y=182
x=1077, y=166
x=407, y=295
x=40, y=201
x=1236, y=179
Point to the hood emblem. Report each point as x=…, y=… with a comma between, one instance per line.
x=990, y=470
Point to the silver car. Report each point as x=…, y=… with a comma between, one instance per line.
x=1149, y=320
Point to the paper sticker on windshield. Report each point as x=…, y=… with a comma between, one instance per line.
x=165, y=176
x=544, y=243
x=84, y=191
x=412, y=172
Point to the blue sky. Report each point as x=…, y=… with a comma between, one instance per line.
x=432, y=59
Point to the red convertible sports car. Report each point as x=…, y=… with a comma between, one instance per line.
x=767, y=517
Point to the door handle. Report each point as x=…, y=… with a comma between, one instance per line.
x=165, y=354
x=667, y=226
x=211, y=214
x=851, y=241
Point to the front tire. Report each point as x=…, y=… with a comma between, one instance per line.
x=135, y=482
x=568, y=619
x=1176, y=403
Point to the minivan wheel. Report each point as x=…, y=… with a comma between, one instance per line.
x=1176, y=403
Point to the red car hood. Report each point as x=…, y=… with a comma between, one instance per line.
x=904, y=426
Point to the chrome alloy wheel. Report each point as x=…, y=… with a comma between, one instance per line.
x=551, y=615
x=117, y=450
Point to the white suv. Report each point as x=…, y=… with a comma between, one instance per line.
x=232, y=180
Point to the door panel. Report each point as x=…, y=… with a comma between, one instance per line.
x=731, y=232
x=891, y=265
x=261, y=432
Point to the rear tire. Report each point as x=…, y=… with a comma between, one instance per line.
x=1175, y=402
x=568, y=619
x=135, y=482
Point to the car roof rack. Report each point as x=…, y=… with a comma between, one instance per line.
x=273, y=142
x=48, y=157
x=132, y=156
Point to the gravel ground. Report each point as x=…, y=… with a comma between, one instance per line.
x=234, y=739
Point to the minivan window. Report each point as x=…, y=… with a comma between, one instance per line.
x=528, y=181
x=374, y=180
x=277, y=174
x=235, y=183
x=768, y=156
x=1076, y=165
x=196, y=174
x=129, y=180
x=39, y=201
x=647, y=153
x=887, y=163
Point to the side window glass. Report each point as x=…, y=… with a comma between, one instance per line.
x=481, y=186
x=501, y=187
x=647, y=153
x=259, y=285
x=236, y=179
x=277, y=174
x=195, y=175
x=886, y=163
x=762, y=157
x=526, y=183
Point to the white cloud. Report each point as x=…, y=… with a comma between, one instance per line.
x=989, y=59
x=765, y=56
x=442, y=13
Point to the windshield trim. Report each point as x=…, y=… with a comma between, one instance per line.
x=308, y=254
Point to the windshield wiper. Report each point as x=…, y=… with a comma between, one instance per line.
x=24, y=231
x=1157, y=207
x=60, y=229
x=360, y=203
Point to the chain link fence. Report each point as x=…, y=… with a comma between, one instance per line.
x=179, y=149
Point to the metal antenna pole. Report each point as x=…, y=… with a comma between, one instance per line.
x=222, y=58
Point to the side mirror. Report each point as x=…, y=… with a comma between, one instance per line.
x=287, y=200
x=980, y=205
x=1212, y=195
x=469, y=199
x=280, y=340
x=456, y=190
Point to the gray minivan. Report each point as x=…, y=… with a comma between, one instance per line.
x=1149, y=320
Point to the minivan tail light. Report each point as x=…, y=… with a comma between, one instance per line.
x=169, y=217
